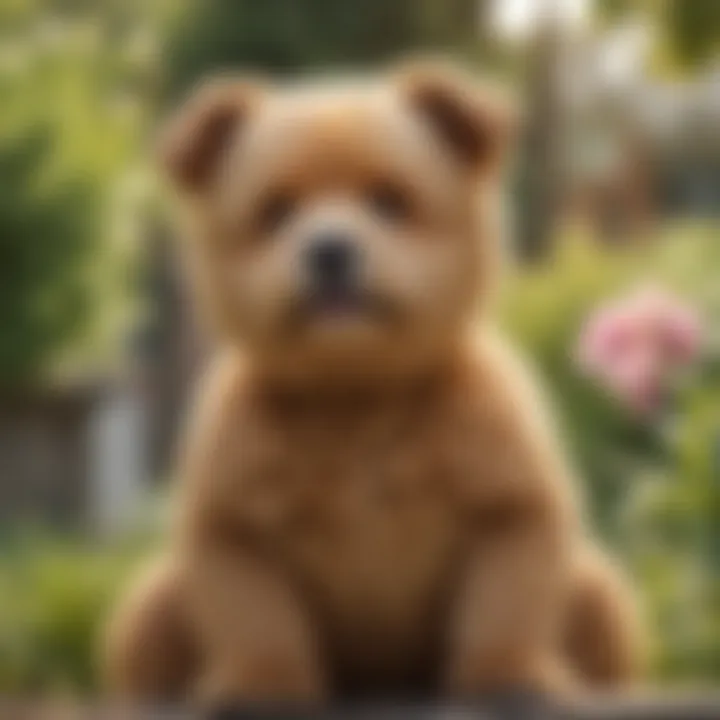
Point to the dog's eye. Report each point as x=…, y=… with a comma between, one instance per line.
x=389, y=201
x=275, y=210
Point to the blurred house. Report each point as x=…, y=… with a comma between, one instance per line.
x=71, y=457
x=681, y=121
x=638, y=149
x=85, y=456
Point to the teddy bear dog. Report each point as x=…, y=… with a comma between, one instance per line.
x=371, y=498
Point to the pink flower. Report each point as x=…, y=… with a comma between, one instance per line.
x=605, y=338
x=634, y=345
x=682, y=335
x=637, y=379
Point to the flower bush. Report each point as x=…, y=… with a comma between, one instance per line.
x=636, y=386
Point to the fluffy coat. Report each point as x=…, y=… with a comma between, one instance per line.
x=372, y=500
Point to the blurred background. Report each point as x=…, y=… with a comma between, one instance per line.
x=613, y=284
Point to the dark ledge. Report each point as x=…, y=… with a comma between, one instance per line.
x=647, y=707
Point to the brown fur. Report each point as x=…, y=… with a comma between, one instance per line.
x=371, y=503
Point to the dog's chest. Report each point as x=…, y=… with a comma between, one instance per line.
x=359, y=508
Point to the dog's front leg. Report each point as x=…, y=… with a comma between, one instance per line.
x=257, y=641
x=503, y=627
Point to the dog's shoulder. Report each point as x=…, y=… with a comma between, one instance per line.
x=505, y=435
x=223, y=446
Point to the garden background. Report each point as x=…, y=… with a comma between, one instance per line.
x=616, y=185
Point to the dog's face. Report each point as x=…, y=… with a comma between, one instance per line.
x=341, y=228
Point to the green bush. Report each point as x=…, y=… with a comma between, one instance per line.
x=69, y=140
x=653, y=486
x=53, y=597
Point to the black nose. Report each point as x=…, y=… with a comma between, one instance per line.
x=331, y=259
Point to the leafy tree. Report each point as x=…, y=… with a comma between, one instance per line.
x=692, y=29
x=68, y=130
x=45, y=236
x=689, y=30
x=287, y=36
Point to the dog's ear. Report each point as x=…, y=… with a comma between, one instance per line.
x=475, y=122
x=192, y=144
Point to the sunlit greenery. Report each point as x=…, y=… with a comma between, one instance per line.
x=54, y=595
x=653, y=484
x=72, y=113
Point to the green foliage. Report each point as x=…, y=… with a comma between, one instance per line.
x=693, y=29
x=653, y=486
x=671, y=532
x=68, y=132
x=287, y=36
x=612, y=10
x=689, y=30
x=53, y=598
x=45, y=235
